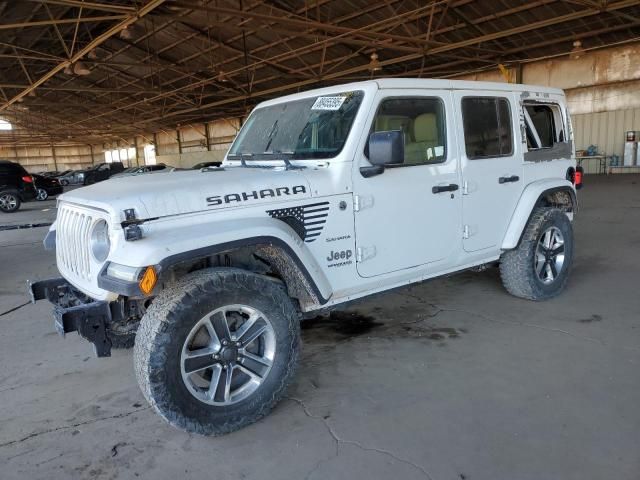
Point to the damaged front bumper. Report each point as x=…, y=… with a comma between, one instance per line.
x=74, y=311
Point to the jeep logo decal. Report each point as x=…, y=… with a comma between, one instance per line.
x=255, y=195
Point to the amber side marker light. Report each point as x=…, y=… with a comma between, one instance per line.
x=148, y=280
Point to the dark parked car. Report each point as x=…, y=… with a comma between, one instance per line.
x=200, y=165
x=55, y=174
x=102, y=172
x=91, y=175
x=16, y=186
x=161, y=167
x=46, y=187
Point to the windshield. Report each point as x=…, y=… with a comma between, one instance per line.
x=314, y=127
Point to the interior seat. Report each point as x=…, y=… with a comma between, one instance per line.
x=424, y=141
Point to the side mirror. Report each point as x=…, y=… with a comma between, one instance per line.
x=385, y=148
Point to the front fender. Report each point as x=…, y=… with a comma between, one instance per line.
x=528, y=201
x=167, y=243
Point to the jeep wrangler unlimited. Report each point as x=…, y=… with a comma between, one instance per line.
x=324, y=197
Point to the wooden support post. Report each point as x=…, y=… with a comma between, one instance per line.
x=155, y=144
x=55, y=160
x=93, y=158
x=179, y=141
x=206, y=133
x=135, y=144
x=518, y=69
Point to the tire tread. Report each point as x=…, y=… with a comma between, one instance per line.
x=183, y=295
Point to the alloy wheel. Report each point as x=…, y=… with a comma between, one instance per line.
x=8, y=202
x=228, y=354
x=550, y=255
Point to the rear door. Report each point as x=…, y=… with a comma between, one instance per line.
x=491, y=161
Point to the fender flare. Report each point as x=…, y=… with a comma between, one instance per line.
x=529, y=199
x=167, y=243
x=265, y=241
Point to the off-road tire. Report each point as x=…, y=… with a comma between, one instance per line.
x=164, y=329
x=15, y=197
x=517, y=266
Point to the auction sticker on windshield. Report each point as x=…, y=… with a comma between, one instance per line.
x=328, y=103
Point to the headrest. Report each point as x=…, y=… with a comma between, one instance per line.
x=425, y=128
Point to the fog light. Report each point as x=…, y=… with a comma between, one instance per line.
x=148, y=280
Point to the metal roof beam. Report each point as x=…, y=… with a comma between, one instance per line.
x=149, y=6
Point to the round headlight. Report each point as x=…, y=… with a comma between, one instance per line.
x=100, y=243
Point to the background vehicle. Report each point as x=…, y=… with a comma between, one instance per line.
x=161, y=167
x=46, y=187
x=200, y=165
x=324, y=197
x=101, y=172
x=71, y=177
x=50, y=173
x=16, y=186
x=58, y=174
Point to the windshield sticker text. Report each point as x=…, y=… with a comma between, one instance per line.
x=255, y=195
x=328, y=103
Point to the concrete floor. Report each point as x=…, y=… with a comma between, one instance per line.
x=453, y=379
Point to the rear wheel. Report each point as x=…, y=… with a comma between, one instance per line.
x=539, y=267
x=216, y=352
x=9, y=201
x=42, y=194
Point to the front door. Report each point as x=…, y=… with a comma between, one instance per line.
x=410, y=215
x=490, y=156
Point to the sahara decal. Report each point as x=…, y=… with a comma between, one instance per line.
x=306, y=220
x=336, y=239
x=255, y=195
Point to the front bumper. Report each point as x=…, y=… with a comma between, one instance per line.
x=75, y=312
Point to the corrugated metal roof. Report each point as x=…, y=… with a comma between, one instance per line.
x=188, y=61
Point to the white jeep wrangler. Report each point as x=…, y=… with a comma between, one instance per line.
x=325, y=197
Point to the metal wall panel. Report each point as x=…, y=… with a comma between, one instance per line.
x=604, y=129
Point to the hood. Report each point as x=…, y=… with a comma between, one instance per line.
x=190, y=191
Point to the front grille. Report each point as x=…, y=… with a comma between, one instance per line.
x=73, y=228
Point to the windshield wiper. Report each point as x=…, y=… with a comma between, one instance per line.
x=284, y=156
x=271, y=134
x=241, y=156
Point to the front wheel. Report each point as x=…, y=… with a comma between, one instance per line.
x=216, y=351
x=538, y=268
x=42, y=194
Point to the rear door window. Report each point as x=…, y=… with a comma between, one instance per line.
x=487, y=127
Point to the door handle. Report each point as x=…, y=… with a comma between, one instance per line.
x=452, y=187
x=512, y=178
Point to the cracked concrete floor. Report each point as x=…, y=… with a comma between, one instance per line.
x=451, y=379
